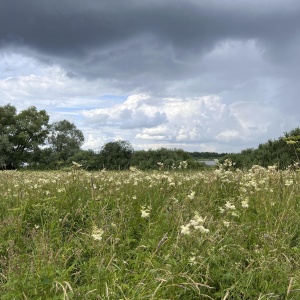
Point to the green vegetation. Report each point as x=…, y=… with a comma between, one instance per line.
x=167, y=159
x=28, y=139
x=20, y=134
x=283, y=152
x=166, y=227
x=207, y=155
x=214, y=234
x=116, y=155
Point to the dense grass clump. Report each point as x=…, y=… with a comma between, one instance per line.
x=215, y=234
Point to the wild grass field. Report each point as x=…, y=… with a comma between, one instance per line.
x=215, y=234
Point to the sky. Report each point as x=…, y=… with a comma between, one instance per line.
x=199, y=75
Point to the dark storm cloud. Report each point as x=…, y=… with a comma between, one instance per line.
x=93, y=30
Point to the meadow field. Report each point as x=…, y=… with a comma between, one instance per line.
x=214, y=234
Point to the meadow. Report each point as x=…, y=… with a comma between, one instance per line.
x=179, y=234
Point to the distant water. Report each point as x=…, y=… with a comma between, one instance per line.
x=208, y=162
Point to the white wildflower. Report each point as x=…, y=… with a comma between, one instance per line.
x=192, y=260
x=245, y=203
x=226, y=223
x=97, y=233
x=229, y=205
x=76, y=165
x=191, y=195
x=202, y=229
x=185, y=229
x=197, y=220
x=145, y=212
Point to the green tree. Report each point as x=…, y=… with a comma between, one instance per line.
x=283, y=152
x=116, y=155
x=64, y=139
x=170, y=158
x=87, y=158
x=20, y=134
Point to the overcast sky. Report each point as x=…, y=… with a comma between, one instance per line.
x=200, y=75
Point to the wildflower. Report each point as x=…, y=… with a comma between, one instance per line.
x=160, y=165
x=97, y=233
x=192, y=260
x=245, y=203
x=145, y=212
x=196, y=221
x=191, y=195
x=76, y=165
x=185, y=229
x=229, y=205
x=226, y=223
x=183, y=165
x=202, y=229
x=133, y=169
x=290, y=142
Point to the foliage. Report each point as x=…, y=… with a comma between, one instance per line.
x=206, y=155
x=217, y=234
x=65, y=139
x=20, y=134
x=87, y=158
x=283, y=152
x=164, y=158
x=116, y=155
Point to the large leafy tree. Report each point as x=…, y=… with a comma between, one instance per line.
x=64, y=139
x=116, y=155
x=20, y=134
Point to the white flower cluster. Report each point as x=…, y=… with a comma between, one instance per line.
x=191, y=196
x=195, y=223
x=183, y=165
x=145, y=212
x=97, y=233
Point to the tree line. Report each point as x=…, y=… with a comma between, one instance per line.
x=28, y=140
x=283, y=152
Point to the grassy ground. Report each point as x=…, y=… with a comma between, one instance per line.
x=156, y=235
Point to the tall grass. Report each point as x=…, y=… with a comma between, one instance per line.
x=219, y=234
